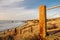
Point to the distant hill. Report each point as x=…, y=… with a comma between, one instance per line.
x=52, y=19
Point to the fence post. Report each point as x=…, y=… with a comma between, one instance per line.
x=42, y=21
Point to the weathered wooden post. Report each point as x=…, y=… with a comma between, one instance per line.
x=42, y=21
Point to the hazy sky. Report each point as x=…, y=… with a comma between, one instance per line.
x=26, y=9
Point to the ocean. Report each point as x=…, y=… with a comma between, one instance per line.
x=9, y=24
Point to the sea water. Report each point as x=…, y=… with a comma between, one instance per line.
x=8, y=24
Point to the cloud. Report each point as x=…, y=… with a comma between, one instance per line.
x=18, y=14
x=19, y=9
x=53, y=13
x=9, y=3
x=13, y=10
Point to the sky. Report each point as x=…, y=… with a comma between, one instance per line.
x=26, y=9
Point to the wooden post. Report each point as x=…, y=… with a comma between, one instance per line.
x=42, y=21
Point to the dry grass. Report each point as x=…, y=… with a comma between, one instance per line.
x=28, y=34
